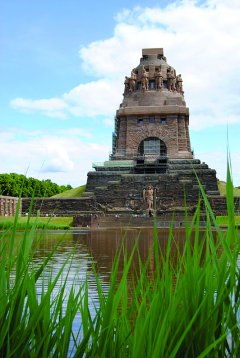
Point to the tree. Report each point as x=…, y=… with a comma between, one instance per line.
x=17, y=184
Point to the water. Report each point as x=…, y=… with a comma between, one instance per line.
x=98, y=247
x=88, y=248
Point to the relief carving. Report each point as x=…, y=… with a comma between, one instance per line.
x=149, y=195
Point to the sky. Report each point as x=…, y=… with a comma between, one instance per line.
x=62, y=68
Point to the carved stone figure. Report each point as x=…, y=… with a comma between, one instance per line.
x=126, y=84
x=171, y=79
x=158, y=78
x=173, y=87
x=148, y=197
x=132, y=81
x=179, y=86
x=144, y=79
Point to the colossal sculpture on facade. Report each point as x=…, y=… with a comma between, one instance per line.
x=144, y=80
x=179, y=82
x=126, y=84
x=171, y=79
x=158, y=78
x=148, y=198
x=132, y=81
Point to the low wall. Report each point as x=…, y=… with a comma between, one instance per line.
x=72, y=207
x=8, y=205
x=219, y=205
x=58, y=207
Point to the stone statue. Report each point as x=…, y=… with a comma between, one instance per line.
x=132, y=81
x=148, y=197
x=126, y=84
x=171, y=79
x=179, y=86
x=144, y=79
x=173, y=88
x=158, y=78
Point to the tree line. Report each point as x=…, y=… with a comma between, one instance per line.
x=18, y=184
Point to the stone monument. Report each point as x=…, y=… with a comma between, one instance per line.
x=151, y=151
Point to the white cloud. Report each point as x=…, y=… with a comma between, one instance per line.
x=52, y=107
x=92, y=99
x=63, y=159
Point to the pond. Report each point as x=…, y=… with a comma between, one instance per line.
x=93, y=251
x=99, y=247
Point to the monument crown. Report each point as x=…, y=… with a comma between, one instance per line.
x=153, y=106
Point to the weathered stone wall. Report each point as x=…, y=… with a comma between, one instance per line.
x=174, y=133
x=101, y=178
x=219, y=205
x=8, y=205
x=165, y=204
x=62, y=207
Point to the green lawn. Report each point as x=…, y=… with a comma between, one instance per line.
x=73, y=193
x=223, y=220
x=222, y=189
x=42, y=222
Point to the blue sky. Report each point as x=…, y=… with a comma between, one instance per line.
x=62, y=67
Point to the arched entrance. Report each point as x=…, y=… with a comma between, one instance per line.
x=152, y=146
x=152, y=156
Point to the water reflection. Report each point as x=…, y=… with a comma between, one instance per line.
x=100, y=247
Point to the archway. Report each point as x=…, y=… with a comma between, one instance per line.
x=152, y=146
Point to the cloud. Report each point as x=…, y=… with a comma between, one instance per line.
x=90, y=99
x=61, y=158
x=52, y=107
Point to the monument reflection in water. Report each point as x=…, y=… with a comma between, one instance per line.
x=99, y=247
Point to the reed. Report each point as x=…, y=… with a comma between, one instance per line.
x=188, y=307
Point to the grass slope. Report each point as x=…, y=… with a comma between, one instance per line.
x=73, y=193
x=222, y=189
x=40, y=223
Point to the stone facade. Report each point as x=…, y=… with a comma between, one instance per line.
x=58, y=207
x=8, y=205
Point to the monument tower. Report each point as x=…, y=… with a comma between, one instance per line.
x=151, y=167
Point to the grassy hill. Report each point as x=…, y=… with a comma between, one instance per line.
x=73, y=193
x=222, y=189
